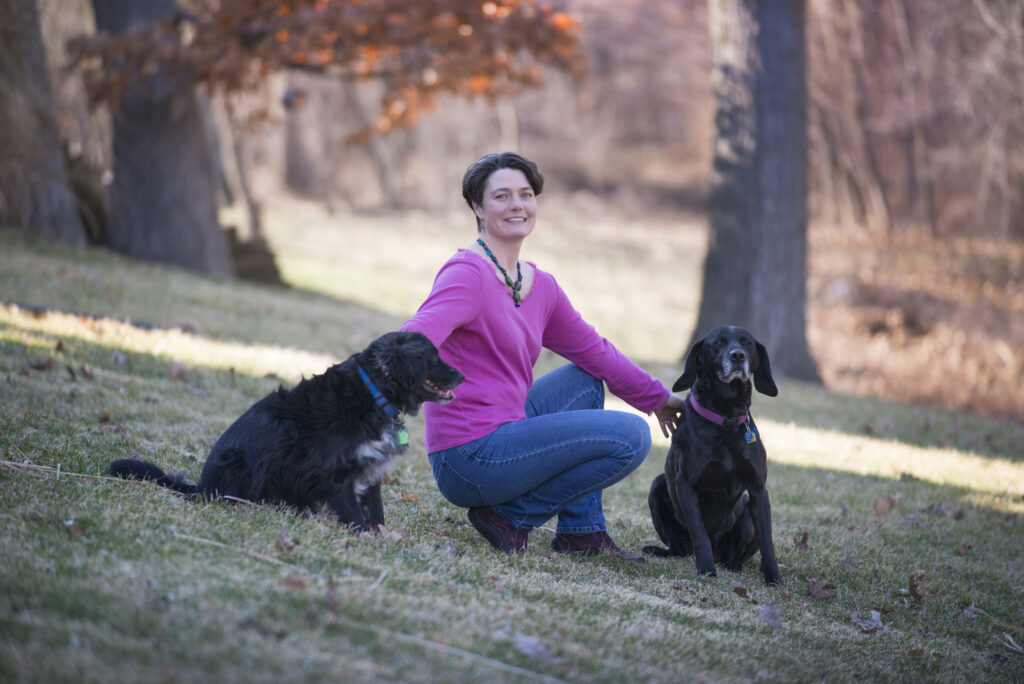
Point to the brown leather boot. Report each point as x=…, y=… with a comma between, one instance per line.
x=498, y=531
x=590, y=543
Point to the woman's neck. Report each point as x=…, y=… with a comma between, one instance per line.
x=506, y=252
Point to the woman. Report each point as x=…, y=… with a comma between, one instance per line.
x=513, y=451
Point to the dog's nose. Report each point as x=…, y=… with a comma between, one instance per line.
x=737, y=356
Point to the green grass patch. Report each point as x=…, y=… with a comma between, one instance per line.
x=907, y=519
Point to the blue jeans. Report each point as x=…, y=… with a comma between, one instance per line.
x=556, y=462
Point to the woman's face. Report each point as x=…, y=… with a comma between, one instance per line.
x=509, y=206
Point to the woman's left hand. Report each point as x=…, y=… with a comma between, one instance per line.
x=668, y=414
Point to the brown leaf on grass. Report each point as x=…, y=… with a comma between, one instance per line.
x=411, y=498
x=178, y=371
x=75, y=529
x=71, y=372
x=285, y=543
x=821, y=589
x=42, y=364
x=388, y=479
x=959, y=550
x=293, y=582
x=739, y=589
x=914, y=591
x=915, y=653
x=103, y=419
x=800, y=543
x=882, y=506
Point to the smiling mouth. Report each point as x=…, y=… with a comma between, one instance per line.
x=443, y=395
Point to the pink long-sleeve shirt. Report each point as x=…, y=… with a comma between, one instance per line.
x=471, y=318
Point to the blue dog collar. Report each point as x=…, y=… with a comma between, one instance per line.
x=378, y=396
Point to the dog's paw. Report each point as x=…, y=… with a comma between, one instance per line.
x=772, y=578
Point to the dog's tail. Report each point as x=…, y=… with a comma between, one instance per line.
x=143, y=470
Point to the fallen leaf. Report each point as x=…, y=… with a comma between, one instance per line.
x=534, y=648
x=914, y=591
x=285, y=542
x=293, y=582
x=41, y=364
x=871, y=624
x=104, y=419
x=882, y=507
x=973, y=611
x=821, y=589
x=800, y=543
x=770, y=616
x=959, y=550
x=71, y=372
x=178, y=371
x=76, y=529
x=739, y=589
x=915, y=652
x=411, y=498
x=388, y=479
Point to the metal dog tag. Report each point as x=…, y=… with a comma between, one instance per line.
x=750, y=436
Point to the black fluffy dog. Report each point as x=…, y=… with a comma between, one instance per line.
x=328, y=440
x=712, y=500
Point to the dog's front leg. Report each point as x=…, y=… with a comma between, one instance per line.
x=373, y=506
x=345, y=505
x=689, y=507
x=761, y=512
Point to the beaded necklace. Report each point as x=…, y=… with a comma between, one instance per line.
x=516, y=286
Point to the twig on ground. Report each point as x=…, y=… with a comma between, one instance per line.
x=200, y=540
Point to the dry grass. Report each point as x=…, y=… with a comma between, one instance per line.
x=920, y=320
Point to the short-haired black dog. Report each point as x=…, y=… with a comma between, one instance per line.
x=326, y=441
x=711, y=501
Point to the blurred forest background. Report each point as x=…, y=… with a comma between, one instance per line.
x=915, y=125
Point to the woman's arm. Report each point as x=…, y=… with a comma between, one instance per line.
x=453, y=302
x=569, y=335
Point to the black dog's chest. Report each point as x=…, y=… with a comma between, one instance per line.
x=722, y=468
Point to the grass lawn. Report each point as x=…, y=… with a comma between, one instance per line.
x=899, y=527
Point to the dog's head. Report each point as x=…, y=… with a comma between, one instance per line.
x=726, y=355
x=408, y=370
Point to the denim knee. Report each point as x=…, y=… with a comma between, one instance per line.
x=636, y=433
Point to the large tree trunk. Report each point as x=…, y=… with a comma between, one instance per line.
x=163, y=198
x=34, y=191
x=755, y=272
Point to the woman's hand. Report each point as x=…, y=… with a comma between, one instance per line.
x=668, y=414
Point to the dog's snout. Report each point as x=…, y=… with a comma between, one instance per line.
x=737, y=355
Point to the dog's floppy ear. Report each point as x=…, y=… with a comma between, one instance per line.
x=693, y=362
x=763, y=380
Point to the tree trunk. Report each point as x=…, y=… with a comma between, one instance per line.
x=163, y=197
x=755, y=272
x=34, y=190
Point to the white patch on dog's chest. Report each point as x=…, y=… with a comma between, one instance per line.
x=375, y=457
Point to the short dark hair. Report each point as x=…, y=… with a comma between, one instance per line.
x=475, y=180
